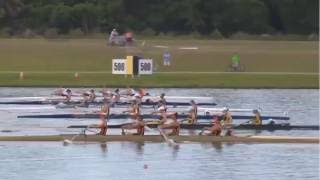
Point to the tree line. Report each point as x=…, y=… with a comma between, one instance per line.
x=154, y=17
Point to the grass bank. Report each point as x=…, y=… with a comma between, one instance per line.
x=164, y=80
x=59, y=59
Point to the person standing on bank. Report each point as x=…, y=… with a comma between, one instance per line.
x=166, y=58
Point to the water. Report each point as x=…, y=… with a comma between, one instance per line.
x=51, y=160
x=158, y=161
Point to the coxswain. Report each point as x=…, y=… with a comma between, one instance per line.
x=104, y=117
x=174, y=125
x=193, y=113
x=257, y=118
x=215, y=129
x=138, y=124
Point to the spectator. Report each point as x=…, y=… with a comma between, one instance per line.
x=166, y=58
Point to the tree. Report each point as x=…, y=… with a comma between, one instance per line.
x=61, y=18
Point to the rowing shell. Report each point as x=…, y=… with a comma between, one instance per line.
x=158, y=138
x=145, y=116
x=268, y=127
x=100, y=102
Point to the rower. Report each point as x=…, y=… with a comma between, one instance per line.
x=128, y=92
x=227, y=118
x=174, y=125
x=138, y=98
x=215, y=129
x=193, y=113
x=162, y=98
x=257, y=118
x=134, y=109
x=163, y=112
x=138, y=124
x=142, y=92
x=67, y=96
x=116, y=96
x=92, y=95
x=104, y=117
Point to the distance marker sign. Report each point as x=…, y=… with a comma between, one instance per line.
x=133, y=65
x=145, y=66
x=119, y=66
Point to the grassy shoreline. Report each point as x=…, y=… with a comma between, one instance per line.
x=164, y=81
x=56, y=62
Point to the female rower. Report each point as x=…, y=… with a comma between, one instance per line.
x=257, y=118
x=174, y=125
x=162, y=110
x=138, y=124
x=163, y=99
x=104, y=117
x=67, y=96
x=193, y=113
x=227, y=118
x=92, y=95
x=216, y=128
x=116, y=96
x=134, y=109
x=89, y=96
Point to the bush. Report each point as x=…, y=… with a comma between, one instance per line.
x=51, y=33
x=5, y=32
x=240, y=36
x=313, y=37
x=28, y=33
x=76, y=33
x=216, y=34
x=149, y=32
x=195, y=34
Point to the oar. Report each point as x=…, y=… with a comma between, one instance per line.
x=70, y=141
x=170, y=142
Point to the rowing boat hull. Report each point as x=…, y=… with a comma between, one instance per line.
x=100, y=102
x=268, y=127
x=158, y=138
x=145, y=116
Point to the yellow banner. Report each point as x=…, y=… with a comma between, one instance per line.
x=130, y=65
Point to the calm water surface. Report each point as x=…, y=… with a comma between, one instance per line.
x=125, y=160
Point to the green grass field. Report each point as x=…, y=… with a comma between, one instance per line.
x=54, y=62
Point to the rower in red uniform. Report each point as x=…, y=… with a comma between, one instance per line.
x=174, y=125
x=138, y=124
x=104, y=117
x=216, y=128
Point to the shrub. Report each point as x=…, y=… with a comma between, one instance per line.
x=149, y=32
x=216, y=34
x=51, y=33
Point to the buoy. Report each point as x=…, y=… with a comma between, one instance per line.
x=21, y=75
x=76, y=76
